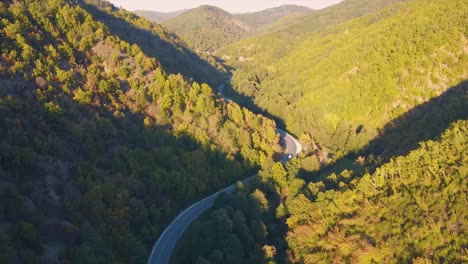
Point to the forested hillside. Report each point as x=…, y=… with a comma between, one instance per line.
x=410, y=210
x=207, y=28
x=156, y=41
x=110, y=126
x=288, y=32
x=379, y=86
x=99, y=145
x=335, y=14
x=340, y=85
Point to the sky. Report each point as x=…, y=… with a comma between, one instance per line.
x=233, y=6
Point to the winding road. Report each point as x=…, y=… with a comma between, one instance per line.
x=293, y=147
x=162, y=250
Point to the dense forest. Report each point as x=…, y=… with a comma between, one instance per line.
x=285, y=34
x=412, y=209
x=207, y=28
x=111, y=125
x=340, y=85
x=156, y=41
x=100, y=146
x=384, y=94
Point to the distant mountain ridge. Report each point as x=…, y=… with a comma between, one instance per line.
x=207, y=28
x=378, y=62
x=271, y=15
x=155, y=40
x=158, y=17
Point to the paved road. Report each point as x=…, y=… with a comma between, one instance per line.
x=293, y=147
x=162, y=250
x=220, y=90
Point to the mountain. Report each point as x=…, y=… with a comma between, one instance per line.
x=390, y=215
x=329, y=16
x=207, y=28
x=286, y=33
x=109, y=127
x=100, y=146
x=262, y=18
x=158, y=17
x=157, y=41
x=378, y=93
x=341, y=83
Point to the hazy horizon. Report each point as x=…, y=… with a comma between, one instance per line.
x=238, y=6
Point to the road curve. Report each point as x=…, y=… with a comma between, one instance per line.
x=220, y=90
x=293, y=147
x=162, y=250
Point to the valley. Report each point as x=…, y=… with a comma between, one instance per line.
x=281, y=134
x=163, y=249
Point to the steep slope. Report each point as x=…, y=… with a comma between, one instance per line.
x=410, y=210
x=156, y=41
x=286, y=33
x=257, y=20
x=390, y=87
x=158, y=17
x=207, y=28
x=332, y=15
x=342, y=84
x=99, y=146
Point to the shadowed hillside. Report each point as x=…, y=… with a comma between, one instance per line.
x=157, y=42
x=404, y=133
x=424, y=122
x=100, y=147
x=378, y=94
x=295, y=204
x=357, y=75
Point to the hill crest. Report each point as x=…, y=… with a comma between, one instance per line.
x=207, y=28
x=158, y=17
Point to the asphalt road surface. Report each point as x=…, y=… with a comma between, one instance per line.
x=162, y=250
x=220, y=90
x=293, y=147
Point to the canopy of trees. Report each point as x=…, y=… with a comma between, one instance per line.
x=99, y=146
x=341, y=83
x=207, y=28
x=411, y=209
x=386, y=94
